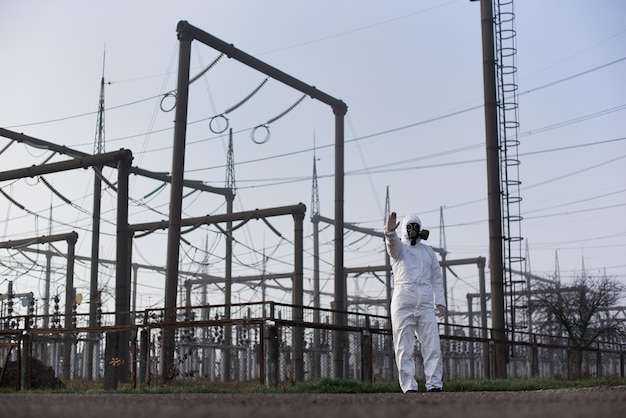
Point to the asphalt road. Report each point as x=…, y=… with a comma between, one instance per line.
x=602, y=402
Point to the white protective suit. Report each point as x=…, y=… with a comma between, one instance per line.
x=418, y=287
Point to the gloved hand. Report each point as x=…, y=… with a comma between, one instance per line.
x=392, y=223
x=441, y=311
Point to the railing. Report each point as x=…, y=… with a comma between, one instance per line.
x=264, y=349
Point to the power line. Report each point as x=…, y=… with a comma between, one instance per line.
x=356, y=172
x=446, y=152
x=430, y=120
x=379, y=169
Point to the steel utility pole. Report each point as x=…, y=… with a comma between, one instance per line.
x=493, y=190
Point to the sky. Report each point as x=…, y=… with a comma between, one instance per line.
x=411, y=74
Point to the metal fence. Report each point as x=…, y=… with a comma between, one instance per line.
x=261, y=343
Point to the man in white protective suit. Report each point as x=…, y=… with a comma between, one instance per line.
x=418, y=291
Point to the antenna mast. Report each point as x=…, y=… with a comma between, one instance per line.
x=98, y=147
x=442, y=230
x=315, y=193
x=94, y=293
x=230, y=164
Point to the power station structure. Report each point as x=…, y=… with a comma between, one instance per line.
x=273, y=341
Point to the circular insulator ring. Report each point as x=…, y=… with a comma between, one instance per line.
x=253, y=134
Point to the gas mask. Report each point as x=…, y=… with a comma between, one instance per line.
x=414, y=231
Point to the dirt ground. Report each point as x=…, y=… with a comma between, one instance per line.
x=605, y=402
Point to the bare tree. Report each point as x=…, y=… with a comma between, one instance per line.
x=580, y=312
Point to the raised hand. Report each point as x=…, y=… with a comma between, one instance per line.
x=392, y=222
